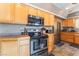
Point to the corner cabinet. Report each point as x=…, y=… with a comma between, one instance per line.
x=7, y=12
x=21, y=12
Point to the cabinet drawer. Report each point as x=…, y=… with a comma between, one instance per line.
x=67, y=38
x=76, y=39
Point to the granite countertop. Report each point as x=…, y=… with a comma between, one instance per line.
x=14, y=36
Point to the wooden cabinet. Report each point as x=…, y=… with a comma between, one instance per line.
x=51, y=20
x=9, y=48
x=50, y=42
x=69, y=23
x=65, y=23
x=15, y=46
x=21, y=12
x=40, y=13
x=24, y=46
x=33, y=11
x=46, y=19
x=76, y=41
x=67, y=36
x=6, y=12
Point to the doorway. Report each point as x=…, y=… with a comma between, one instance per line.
x=58, y=33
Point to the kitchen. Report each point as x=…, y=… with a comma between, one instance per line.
x=31, y=29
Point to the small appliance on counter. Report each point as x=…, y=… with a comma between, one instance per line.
x=49, y=29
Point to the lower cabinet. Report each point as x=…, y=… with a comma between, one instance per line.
x=9, y=48
x=76, y=41
x=68, y=37
x=14, y=47
x=50, y=42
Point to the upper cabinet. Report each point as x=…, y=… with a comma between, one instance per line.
x=69, y=23
x=16, y=13
x=65, y=23
x=46, y=19
x=51, y=20
x=33, y=11
x=21, y=12
x=40, y=13
x=6, y=12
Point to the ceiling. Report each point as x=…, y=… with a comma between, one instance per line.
x=66, y=6
x=60, y=9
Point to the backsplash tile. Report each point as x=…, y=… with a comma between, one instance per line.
x=10, y=29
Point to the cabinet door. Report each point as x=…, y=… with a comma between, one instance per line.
x=46, y=19
x=40, y=13
x=32, y=11
x=71, y=23
x=24, y=47
x=9, y=48
x=6, y=12
x=21, y=12
x=50, y=43
x=76, y=39
x=67, y=38
x=65, y=23
x=52, y=18
x=24, y=50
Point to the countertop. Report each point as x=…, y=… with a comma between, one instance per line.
x=14, y=37
x=73, y=33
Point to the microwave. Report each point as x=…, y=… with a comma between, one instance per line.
x=35, y=20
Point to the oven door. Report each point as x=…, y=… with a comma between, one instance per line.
x=35, y=46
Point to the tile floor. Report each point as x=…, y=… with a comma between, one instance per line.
x=65, y=50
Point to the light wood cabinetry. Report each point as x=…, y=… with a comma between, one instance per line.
x=76, y=41
x=67, y=36
x=33, y=11
x=65, y=23
x=21, y=12
x=51, y=20
x=6, y=12
x=40, y=13
x=9, y=48
x=50, y=42
x=14, y=46
x=46, y=19
x=69, y=23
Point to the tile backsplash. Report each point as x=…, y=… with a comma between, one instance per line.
x=10, y=29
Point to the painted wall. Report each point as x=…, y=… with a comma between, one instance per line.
x=8, y=29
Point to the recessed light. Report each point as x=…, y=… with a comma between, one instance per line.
x=67, y=8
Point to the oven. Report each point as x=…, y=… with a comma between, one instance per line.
x=38, y=45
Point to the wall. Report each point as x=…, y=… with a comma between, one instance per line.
x=8, y=29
